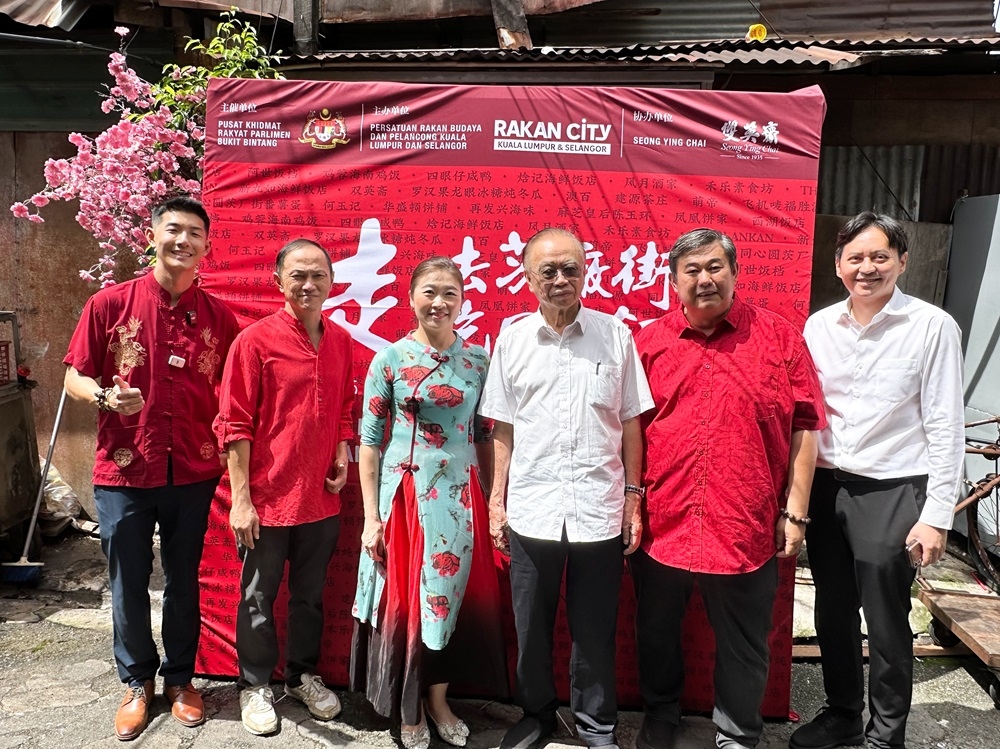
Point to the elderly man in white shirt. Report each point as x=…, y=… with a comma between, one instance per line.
x=886, y=483
x=565, y=388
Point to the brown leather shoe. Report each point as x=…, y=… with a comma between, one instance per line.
x=133, y=714
x=186, y=704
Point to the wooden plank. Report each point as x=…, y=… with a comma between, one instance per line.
x=511, y=25
x=920, y=650
x=348, y=11
x=974, y=619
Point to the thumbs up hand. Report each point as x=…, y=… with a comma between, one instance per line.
x=125, y=399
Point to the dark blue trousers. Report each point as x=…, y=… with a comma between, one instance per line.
x=128, y=519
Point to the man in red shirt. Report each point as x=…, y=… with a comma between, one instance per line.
x=730, y=453
x=149, y=353
x=285, y=420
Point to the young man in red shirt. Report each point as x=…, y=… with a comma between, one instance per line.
x=148, y=353
x=730, y=453
x=285, y=420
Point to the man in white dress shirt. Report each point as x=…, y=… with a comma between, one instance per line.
x=565, y=388
x=886, y=483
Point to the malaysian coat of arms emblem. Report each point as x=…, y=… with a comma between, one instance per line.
x=324, y=130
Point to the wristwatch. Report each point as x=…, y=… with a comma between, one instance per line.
x=633, y=489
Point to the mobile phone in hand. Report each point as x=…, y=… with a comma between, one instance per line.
x=915, y=553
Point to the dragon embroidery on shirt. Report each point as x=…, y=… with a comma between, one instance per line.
x=129, y=353
x=208, y=360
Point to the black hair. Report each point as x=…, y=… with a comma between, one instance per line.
x=696, y=239
x=889, y=226
x=181, y=204
x=298, y=244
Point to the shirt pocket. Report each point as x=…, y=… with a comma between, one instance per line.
x=766, y=399
x=896, y=379
x=604, y=387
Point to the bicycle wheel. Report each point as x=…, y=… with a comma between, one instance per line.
x=983, y=519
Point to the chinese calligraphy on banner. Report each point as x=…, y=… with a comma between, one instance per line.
x=384, y=175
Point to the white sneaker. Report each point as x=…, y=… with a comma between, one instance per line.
x=257, y=710
x=322, y=703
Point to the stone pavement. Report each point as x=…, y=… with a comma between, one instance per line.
x=58, y=686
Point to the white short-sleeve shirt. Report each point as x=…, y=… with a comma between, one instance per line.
x=566, y=397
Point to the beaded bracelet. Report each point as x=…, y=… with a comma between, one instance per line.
x=101, y=398
x=795, y=519
x=633, y=489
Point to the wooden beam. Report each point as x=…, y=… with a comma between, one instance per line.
x=349, y=11
x=511, y=25
x=920, y=650
x=305, y=26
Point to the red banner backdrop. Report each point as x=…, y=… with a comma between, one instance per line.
x=385, y=175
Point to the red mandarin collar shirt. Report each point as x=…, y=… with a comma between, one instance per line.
x=719, y=435
x=294, y=404
x=131, y=330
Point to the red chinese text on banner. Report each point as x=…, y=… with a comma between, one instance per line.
x=384, y=175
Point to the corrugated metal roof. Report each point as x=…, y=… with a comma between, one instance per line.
x=62, y=14
x=911, y=183
x=879, y=18
x=771, y=52
x=871, y=178
x=347, y=11
x=615, y=22
x=951, y=170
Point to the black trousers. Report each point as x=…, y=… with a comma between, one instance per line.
x=593, y=579
x=856, y=544
x=739, y=609
x=308, y=548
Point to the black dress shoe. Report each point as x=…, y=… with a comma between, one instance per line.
x=528, y=732
x=830, y=729
x=655, y=734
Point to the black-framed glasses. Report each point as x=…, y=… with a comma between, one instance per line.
x=549, y=272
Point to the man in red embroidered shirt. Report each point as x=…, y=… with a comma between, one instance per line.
x=149, y=353
x=730, y=453
x=285, y=420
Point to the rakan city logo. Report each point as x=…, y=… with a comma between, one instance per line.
x=324, y=130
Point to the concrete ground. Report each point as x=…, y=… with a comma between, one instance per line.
x=58, y=686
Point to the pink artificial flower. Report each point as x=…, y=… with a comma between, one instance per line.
x=107, y=105
x=36, y=219
x=122, y=30
x=20, y=210
x=40, y=200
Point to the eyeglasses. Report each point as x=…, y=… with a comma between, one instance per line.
x=549, y=272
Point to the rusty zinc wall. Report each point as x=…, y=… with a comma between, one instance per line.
x=39, y=280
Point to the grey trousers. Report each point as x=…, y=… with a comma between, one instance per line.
x=739, y=610
x=856, y=544
x=308, y=550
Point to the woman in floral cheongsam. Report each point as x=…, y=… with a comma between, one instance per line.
x=427, y=601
